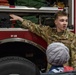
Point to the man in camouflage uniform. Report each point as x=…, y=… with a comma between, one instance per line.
x=58, y=34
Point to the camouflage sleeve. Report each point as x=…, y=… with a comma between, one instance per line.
x=40, y=30
x=73, y=52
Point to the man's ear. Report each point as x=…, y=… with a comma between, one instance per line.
x=55, y=21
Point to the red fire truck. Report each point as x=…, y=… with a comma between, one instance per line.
x=17, y=41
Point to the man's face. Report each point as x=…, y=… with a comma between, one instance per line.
x=61, y=23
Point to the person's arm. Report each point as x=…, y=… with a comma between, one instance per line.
x=40, y=30
x=35, y=28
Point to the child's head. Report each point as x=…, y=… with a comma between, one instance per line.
x=57, y=54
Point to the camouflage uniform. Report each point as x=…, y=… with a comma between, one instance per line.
x=51, y=35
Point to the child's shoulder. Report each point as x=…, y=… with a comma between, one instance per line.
x=59, y=69
x=68, y=68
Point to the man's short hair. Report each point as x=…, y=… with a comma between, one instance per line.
x=60, y=13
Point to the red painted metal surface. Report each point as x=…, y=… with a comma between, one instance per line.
x=23, y=34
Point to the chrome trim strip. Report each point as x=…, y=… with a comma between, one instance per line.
x=13, y=29
x=23, y=40
x=29, y=9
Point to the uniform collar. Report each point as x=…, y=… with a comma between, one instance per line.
x=59, y=33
